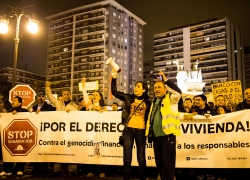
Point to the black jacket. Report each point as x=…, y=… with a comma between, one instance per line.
x=243, y=105
x=45, y=107
x=128, y=99
x=206, y=110
x=18, y=109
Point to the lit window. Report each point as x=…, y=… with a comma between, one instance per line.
x=114, y=14
x=65, y=49
x=125, y=40
x=114, y=35
x=139, y=69
x=113, y=51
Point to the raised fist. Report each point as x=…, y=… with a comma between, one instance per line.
x=83, y=82
x=47, y=84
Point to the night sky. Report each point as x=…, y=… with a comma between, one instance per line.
x=160, y=16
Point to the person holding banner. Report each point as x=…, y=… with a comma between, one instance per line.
x=220, y=102
x=202, y=106
x=134, y=115
x=163, y=125
x=19, y=167
x=63, y=105
x=42, y=105
x=94, y=104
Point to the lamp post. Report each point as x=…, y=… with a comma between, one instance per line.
x=33, y=28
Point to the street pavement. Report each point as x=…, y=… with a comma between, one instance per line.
x=114, y=173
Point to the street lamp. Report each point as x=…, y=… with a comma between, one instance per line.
x=33, y=28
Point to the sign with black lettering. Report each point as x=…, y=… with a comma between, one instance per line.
x=231, y=91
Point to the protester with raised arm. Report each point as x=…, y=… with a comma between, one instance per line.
x=134, y=116
x=66, y=104
x=163, y=125
x=95, y=103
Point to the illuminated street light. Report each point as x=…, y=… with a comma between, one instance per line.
x=3, y=26
x=33, y=28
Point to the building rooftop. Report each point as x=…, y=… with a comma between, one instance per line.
x=101, y=3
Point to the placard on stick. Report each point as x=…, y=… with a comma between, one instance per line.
x=231, y=91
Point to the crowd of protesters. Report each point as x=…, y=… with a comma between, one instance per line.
x=95, y=102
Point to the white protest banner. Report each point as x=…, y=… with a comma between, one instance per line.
x=231, y=91
x=221, y=142
x=79, y=137
x=92, y=138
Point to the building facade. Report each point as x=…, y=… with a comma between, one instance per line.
x=35, y=81
x=81, y=39
x=148, y=77
x=216, y=44
x=247, y=66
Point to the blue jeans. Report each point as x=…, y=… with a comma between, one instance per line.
x=129, y=135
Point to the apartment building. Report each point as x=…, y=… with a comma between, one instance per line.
x=35, y=81
x=80, y=40
x=216, y=44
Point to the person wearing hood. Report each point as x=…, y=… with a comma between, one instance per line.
x=134, y=116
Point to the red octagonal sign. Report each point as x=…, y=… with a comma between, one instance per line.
x=20, y=137
x=25, y=92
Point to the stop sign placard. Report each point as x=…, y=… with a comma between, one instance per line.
x=20, y=137
x=25, y=92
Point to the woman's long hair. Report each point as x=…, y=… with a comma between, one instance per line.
x=144, y=87
x=101, y=101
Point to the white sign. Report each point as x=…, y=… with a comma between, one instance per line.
x=89, y=86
